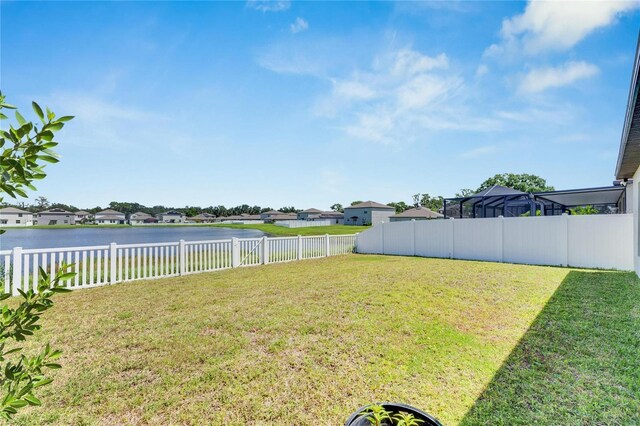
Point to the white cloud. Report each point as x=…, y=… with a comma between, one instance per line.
x=540, y=79
x=353, y=90
x=478, y=152
x=269, y=5
x=299, y=25
x=403, y=97
x=482, y=70
x=556, y=25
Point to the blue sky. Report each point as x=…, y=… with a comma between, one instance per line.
x=308, y=104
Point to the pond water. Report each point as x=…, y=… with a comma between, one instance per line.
x=77, y=237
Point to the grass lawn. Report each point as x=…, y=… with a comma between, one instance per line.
x=308, y=342
x=281, y=231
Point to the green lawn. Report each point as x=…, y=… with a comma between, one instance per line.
x=281, y=231
x=308, y=342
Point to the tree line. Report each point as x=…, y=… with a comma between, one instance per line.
x=42, y=203
x=521, y=182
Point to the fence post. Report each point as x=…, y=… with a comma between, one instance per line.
x=265, y=250
x=299, y=247
x=501, y=238
x=452, y=252
x=112, y=259
x=16, y=263
x=327, y=243
x=564, y=241
x=413, y=237
x=182, y=261
x=382, y=237
x=235, y=252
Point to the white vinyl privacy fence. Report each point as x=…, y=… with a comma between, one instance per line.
x=109, y=264
x=589, y=241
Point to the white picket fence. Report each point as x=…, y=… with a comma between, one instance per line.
x=109, y=264
x=589, y=241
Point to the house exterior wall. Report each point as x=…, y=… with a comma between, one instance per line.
x=16, y=219
x=171, y=218
x=380, y=215
x=56, y=219
x=79, y=218
x=629, y=199
x=110, y=221
x=635, y=207
x=367, y=215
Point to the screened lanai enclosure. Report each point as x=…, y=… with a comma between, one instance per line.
x=507, y=202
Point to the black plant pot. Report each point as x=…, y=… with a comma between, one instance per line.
x=393, y=408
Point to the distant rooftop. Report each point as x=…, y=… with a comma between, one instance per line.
x=108, y=212
x=13, y=210
x=419, y=212
x=55, y=211
x=370, y=204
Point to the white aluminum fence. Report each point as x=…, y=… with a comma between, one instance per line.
x=113, y=263
x=589, y=241
x=302, y=223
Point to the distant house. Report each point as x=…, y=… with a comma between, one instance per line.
x=304, y=215
x=140, y=218
x=315, y=214
x=203, y=218
x=267, y=215
x=172, y=216
x=281, y=217
x=83, y=216
x=242, y=218
x=334, y=217
x=418, y=213
x=55, y=217
x=110, y=217
x=367, y=213
x=11, y=216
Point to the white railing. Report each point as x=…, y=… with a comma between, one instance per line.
x=109, y=264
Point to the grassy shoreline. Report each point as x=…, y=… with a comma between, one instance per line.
x=270, y=229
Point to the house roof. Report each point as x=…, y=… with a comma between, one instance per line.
x=332, y=214
x=204, y=215
x=371, y=205
x=108, y=212
x=81, y=212
x=171, y=213
x=110, y=217
x=629, y=154
x=311, y=210
x=283, y=216
x=140, y=215
x=585, y=196
x=498, y=191
x=419, y=212
x=13, y=210
x=270, y=212
x=55, y=211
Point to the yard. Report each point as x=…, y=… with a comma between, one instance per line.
x=308, y=342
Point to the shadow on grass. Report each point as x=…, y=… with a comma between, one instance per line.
x=579, y=362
